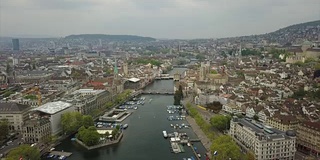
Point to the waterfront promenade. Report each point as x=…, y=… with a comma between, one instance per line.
x=200, y=134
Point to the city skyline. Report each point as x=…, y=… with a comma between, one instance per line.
x=173, y=19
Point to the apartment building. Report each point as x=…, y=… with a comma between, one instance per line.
x=15, y=113
x=308, y=137
x=36, y=130
x=265, y=142
x=283, y=122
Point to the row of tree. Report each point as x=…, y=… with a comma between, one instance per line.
x=224, y=145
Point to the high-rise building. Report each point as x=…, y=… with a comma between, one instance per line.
x=15, y=44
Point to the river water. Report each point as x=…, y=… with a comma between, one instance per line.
x=143, y=139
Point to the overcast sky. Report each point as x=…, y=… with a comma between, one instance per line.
x=154, y=18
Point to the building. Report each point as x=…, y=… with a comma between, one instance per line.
x=308, y=137
x=54, y=111
x=132, y=83
x=86, y=101
x=283, y=122
x=176, y=77
x=15, y=113
x=36, y=130
x=15, y=45
x=265, y=142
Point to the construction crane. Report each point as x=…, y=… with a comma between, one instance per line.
x=35, y=90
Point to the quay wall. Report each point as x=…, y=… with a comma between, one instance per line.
x=100, y=145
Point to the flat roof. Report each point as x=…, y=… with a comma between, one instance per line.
x=53, y=107
x=275, y=133
x=134, y=80
x=92, y=91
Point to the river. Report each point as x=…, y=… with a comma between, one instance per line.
x=143, y=139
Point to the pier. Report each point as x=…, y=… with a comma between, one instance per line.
x=195, y=140
x=60, y=153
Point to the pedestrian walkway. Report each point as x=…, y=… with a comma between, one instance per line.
x=200, y=134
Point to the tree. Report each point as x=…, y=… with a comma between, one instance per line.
x=220, y=122
x=4, y=128
x=87, y=121
x=71, y=121
x=89, y=136
x=51, y=139
x=180, y=91
x=256, y=117
x=250, y=156
x=177, y=98
x=226, y=148
x=317, y=66
x=24, y=152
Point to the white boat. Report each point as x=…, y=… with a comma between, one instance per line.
x=165, y=135
x=199, y=155
x=125, y=126
x=188, y=144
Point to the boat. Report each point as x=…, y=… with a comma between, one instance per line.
x=199, y=155
x=135, y=107
x=165, y=135
x=125, y=126
x=188, y=144
x=171, y=125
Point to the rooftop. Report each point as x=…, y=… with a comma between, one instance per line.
x=12, y=107
x=134, y=80
x=269, y=132
x=53, y=107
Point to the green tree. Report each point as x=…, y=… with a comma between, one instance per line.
x=177, y=98
x=317, y=66
x=51, y=139
x=256, y=117
x=25, y=152
x=299, y=94
x=88, y=136
x=220, y=122
x=250, y=156
x=71, y=121
x=87, y=121
x=226, y=148
x=4, y=128
x=180, y=91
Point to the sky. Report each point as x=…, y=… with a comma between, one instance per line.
x=174, y=19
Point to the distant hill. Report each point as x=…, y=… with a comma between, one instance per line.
x=110, y=37
x=291, y=34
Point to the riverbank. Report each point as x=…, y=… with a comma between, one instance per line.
x=200, y=134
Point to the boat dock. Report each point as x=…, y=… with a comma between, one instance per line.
x=60, y=153
x=195, y=140
x=194, y=151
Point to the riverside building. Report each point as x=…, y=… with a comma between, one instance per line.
x=265, y=142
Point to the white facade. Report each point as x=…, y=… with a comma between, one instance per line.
x=265, y=142
x=54, y=110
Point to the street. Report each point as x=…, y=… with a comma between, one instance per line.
x=13, y=144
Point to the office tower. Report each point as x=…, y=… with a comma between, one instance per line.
x=15, y=44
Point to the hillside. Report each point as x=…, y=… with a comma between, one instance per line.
x=110, y=37
x=296, y=33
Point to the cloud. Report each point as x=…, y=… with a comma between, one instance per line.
x=156, y=18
